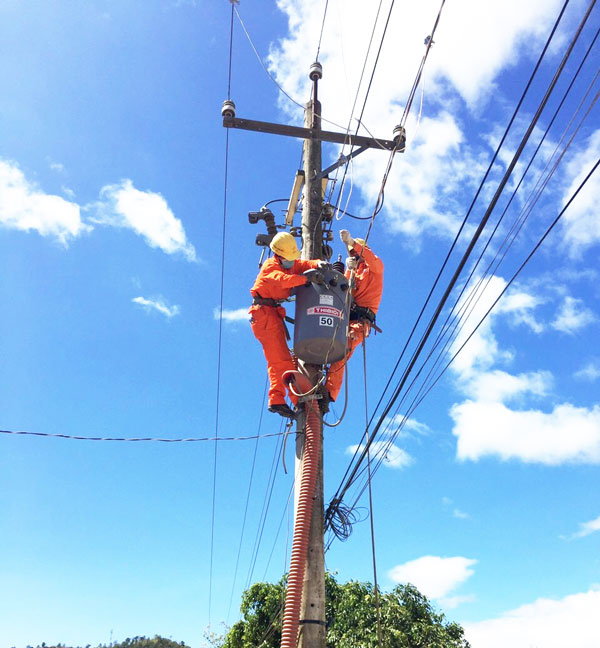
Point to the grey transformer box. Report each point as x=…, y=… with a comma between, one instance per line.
x=321, y=322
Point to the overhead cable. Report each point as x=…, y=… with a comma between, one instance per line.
x=265, y=508
x=465, y=219
x=371, y=514
x=358, y=87
x=219, y=345
x=425, y=390
x=348, y=480
x=273, y=79
x=264, y=67
x=322, y=27
x=429, y=42
x=249, y=490
x=140, y=439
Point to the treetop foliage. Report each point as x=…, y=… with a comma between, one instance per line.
x=408, y=620
x=136, y=642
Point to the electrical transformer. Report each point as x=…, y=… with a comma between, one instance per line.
x=321, y=322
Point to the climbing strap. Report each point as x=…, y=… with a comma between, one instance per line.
x=257, y=300
x=264, y=301
x=361, y=313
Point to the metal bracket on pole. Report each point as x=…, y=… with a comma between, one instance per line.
x=342, y=160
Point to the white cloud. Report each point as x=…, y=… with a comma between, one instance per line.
x=581, y=222
x=483, y=424
x=568, y=434
x=520, y=305
x=421, y=195
x=147, y=214
x=392, y=424
x=587, y=528
x=451, y=602
x=590, y=372
x=482, y=350
x=157, y=304
x=573, y=316
x=457, y=513
x=500, y=386
x=393, y=456
x=234, y=315
x=547, y=623
x=417, y=201
x=498, y=40
x=434, y=576
x=57, y=166
x=412, y=425
x=23, y=206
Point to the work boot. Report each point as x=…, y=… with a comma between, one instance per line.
x=282, y=409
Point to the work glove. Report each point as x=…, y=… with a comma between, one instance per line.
x=351, y=263
x=313, y=276
x=347, y=238
x=323, y=265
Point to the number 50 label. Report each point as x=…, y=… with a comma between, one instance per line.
x=324, y=320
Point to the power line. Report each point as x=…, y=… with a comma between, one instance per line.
x=219, y=346
x=350, y=162
x=371, y=513
x=425, y=391
x=473, y=202
x=348, y=480
x=524, y=214
x=381, y=196
x=286, y=509
x=264, y=67
x=429, y=43
x=464, y=222
x=273, y=79
x=139, y=439
x=237, y=560
x=322, y=27
x=265, y=508
x=454, y=318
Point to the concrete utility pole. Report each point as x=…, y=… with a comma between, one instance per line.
x=312, y=610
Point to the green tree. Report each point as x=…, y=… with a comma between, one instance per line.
x=142, y=642
x=408, y=619
x=136, y=642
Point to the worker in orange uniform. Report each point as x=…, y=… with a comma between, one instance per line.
x=275, y=281
x=366, y=295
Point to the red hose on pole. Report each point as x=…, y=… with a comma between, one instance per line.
x=308, y=480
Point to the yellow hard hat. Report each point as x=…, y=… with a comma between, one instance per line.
x=284, y=245
x=361, y=242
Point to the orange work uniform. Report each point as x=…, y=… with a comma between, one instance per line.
x=274, y=282
x=367, y=291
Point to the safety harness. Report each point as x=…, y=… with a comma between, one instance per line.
x=265, y=301
x=361, y=314
x=257, y=300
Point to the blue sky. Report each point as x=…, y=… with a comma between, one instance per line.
x=112, y=167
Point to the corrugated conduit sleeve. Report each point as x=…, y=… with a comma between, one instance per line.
x=308, y=480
